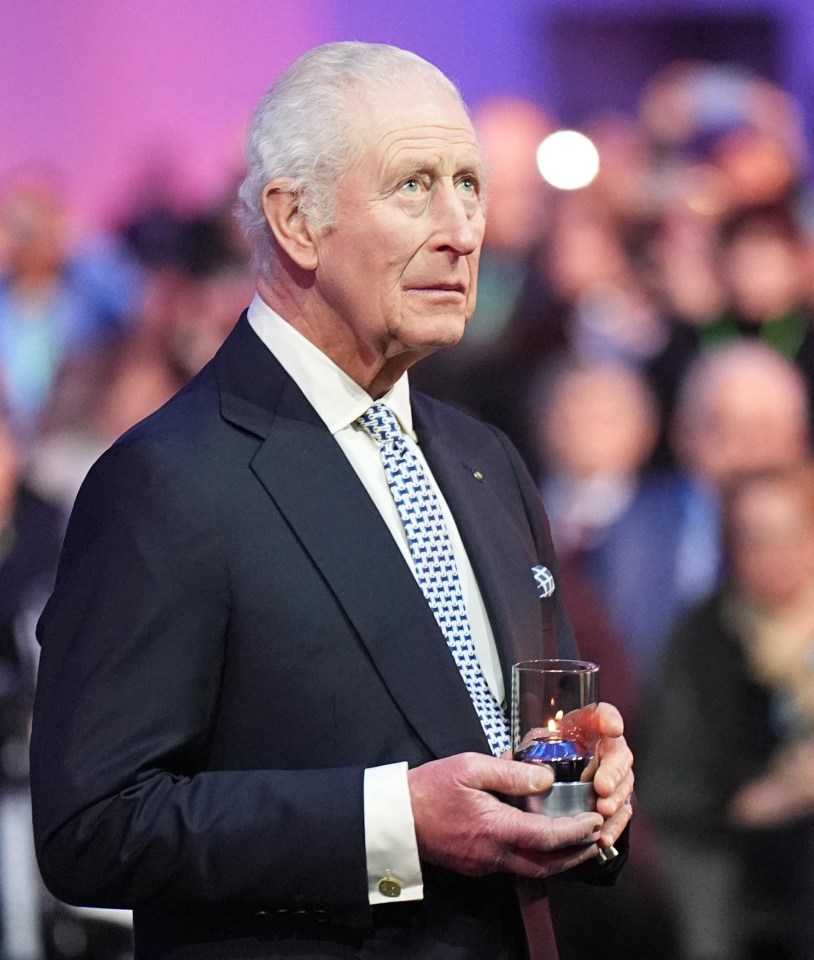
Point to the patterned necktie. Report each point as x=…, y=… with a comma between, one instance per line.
x=436, y=570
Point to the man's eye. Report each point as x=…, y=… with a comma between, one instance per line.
x=411, y=186
x=468, y=185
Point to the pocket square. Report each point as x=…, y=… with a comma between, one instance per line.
x=544, y=580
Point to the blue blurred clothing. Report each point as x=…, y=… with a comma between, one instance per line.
x=654, y=553
x=92, y=298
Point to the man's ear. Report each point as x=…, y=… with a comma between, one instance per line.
x=292, y=230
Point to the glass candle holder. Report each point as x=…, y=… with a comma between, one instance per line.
x=552, y=702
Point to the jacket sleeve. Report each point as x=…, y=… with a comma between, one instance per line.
x=133, y=640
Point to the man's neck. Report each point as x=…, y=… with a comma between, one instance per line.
x=365, y=364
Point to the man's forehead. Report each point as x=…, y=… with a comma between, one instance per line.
x=423, y=114
x=429, y=145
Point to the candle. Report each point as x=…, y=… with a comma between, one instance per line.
x=552, y=726
x=567, y=758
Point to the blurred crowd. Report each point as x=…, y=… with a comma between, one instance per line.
x=648, y=344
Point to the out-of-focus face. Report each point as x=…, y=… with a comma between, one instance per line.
x=772, y=542
x=398, y=269
x=586, y=251
x=754, y=423
x=765, y=275
x=33, y=227
x=510, y=130
x=600, y=423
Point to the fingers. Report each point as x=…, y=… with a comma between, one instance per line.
x=461, y=825
x=613, y=783
x=608, y=805
x=614, y=826
x=615, y=766
x=535, y=831
x=511, y=779
x=607, y=721
x=538, y=865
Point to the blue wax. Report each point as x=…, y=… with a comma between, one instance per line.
x=544, y=751
x=567, y=758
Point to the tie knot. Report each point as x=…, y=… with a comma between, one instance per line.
x=381, y=423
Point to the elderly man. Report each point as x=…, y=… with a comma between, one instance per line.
x=271, y=705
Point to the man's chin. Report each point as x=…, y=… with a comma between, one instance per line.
x=432, y=335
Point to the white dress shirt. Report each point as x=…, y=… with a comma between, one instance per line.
x=339, y=401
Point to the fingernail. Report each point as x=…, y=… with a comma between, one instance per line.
x=540, y=781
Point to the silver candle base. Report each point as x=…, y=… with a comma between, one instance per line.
x=563, y=800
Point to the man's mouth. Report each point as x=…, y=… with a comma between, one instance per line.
x=438, y=288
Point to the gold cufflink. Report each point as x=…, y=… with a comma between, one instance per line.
x=390, y=887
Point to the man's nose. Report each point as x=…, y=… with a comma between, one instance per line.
x=459, y=221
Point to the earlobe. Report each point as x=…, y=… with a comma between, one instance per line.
x=291, y=228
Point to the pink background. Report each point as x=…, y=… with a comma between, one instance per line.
x=91, y=88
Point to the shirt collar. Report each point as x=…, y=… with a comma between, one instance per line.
x=337, y=399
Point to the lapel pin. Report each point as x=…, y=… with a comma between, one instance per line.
x=544, y=580
x=478, y=475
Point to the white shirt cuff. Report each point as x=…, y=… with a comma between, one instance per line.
x=393, y=868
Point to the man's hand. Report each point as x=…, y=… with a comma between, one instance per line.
x=613, y=779
x=461, y=825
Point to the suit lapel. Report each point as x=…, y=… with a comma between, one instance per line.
x=312, y=483
x=500, y=557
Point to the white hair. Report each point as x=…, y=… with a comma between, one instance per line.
x=303, y=129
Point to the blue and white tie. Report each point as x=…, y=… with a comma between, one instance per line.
x=435, y=566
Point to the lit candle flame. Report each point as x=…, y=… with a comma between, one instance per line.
x=554, y=723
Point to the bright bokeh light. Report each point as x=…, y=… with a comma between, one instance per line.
x=567, y=160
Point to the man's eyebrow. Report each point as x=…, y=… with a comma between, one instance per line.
x=431, y=165
x=408, y=165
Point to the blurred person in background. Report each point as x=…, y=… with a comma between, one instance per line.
x=728, y=769
x=750, y=131
x=56, y=298
x=742, y=408
x=30, y=537
x=724, y=142
x=96, y=400
x=612, y=519
x=763, y=257
x=197, y=272
x=650, y=541
x=603, y=306
x=32, y=925
x=196, y=279
x=684, y=252
x=613, y=528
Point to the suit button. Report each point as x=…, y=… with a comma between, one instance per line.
x=390, y=887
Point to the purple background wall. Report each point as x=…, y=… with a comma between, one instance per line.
x=87, y=88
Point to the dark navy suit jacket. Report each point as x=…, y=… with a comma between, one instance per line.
x=233, y=638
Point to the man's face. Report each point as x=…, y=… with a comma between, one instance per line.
x=772, y=542
x=755, y=422
x=398, y=269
